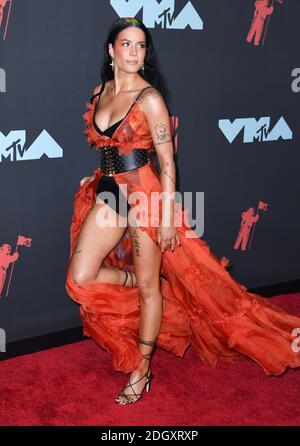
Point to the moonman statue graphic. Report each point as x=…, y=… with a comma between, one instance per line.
x=5, y=260
x=248, y=218
x=2, y=6
x=262, y=11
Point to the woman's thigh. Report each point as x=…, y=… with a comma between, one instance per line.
x=101, y=231
x=147, y=258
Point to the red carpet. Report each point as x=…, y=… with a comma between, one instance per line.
x=74, y=385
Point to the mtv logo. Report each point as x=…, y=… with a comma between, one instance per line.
x=12, y=147
x=159, y=13
x=255, y=130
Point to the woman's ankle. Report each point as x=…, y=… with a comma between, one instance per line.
x=143, y=366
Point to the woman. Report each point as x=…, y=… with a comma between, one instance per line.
x=141, y=284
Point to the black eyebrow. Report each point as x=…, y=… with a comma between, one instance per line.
x=142, y=41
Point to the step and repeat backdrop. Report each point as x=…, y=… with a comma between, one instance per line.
x=233, y=70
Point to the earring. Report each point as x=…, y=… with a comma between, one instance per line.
x=112, y=64
x=143, y=68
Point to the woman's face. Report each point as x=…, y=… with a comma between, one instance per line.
x=129, y=49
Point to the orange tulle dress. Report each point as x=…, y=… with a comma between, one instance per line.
x=205, y=307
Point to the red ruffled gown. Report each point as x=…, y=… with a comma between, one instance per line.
x=204, y=306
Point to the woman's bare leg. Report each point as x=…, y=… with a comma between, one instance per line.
x=147, y=261
x=94, y=243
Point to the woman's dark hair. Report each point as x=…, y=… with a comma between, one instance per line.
x=151, y=73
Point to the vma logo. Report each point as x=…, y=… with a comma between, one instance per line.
x=12, y=147
x=159, y=13
x=255, y=130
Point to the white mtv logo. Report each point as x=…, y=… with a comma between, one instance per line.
x=12, y=146
x=162, y=13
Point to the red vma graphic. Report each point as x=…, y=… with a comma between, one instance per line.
x=248, y=221
x=173, y=127
x=263, y=11
x=6, y=258
x=4, y=23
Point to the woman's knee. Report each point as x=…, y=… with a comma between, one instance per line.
x=82, y=278
x=80, y=274
x=149, y=288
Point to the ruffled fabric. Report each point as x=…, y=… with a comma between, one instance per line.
x=205, y=307
x=133, y=132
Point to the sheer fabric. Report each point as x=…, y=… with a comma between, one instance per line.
x=205, y=307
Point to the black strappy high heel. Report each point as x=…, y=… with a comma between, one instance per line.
x=149, y=376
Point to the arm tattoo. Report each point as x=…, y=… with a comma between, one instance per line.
x=161, y=132
x=161, y=129
x=163, y=142
x=168, y=175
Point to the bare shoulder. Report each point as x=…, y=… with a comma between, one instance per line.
x=97, y=89
x=151, y=100
x=150, y=94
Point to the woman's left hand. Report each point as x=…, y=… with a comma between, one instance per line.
x=85, y=179
x=167, y=236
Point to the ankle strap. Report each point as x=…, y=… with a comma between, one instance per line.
x=150, y=344
x=144, y=341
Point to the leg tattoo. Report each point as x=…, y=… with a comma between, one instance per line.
x=136, y=243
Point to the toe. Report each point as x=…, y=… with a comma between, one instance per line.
x=120, y=400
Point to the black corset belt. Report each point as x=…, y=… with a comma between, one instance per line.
x=111, y=162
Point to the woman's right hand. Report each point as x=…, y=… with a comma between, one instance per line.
x=84, y=179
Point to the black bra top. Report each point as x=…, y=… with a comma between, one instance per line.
x=111, y=129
